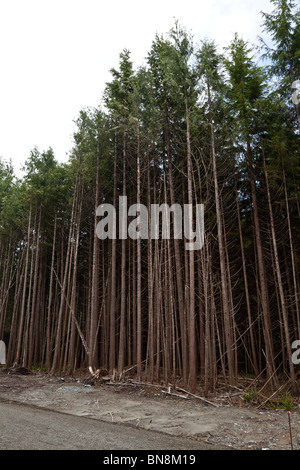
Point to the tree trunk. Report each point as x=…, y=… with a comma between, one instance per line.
x=113, y=294
x=267, y=329
x=139, y=273
x=123, y=281
x=224, y=285
x=247, y=297
x=22, y=312
x=280, y=284
x=50, y=301
x=192, y=320
x=93, y=358
x=178, y=264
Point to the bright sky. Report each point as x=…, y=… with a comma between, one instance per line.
x=55, y=57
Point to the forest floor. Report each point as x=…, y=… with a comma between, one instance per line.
x=225, y=420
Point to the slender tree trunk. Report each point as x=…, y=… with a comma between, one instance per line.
x=65, y=271
x=13, y=336
x=291, y=243
x=22, y=312
x=224, y=285
x=247, y=296
x=50, y=301
x=150, y=283
x=267, y=330
x=34, y=318
x=73, y=303
x=280, y=283
x=123, y=275
x=139, y=272
x=112, y=310
x=192, y=313
x=93, y=358
x=178, y=265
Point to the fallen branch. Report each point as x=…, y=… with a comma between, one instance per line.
x=237, y=394
x=175, y=395
x=98, y=375
x=271, y=396
x=199, y=398
x=145, y=383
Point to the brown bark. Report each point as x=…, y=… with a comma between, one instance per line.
x=267, y=329
x=224, y=285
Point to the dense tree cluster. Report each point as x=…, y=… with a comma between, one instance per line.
x=192, y=126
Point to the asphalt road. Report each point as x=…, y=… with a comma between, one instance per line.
x=28, y=428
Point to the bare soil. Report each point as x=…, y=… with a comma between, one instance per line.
x=225, y=420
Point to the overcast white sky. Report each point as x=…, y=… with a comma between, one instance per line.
x=55, y=57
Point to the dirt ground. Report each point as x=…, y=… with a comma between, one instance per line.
x=224, y=420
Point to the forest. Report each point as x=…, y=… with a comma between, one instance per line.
x=193, y=125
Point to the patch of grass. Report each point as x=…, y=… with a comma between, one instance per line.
x=286, y=402
x=251, y=395
x=39, y=367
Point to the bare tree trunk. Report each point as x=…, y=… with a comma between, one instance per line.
x=192, y=320
x=296, y=287
x=112, y=309
x=267, y=330
x=50, y=301
x=13, y=336
x=178, y=265
x=123, y=279
x=150, y=341
x=65, y=271
x=280, y=284
x=250, y=322
x=22, y=313
x=224, y=285
x=93, y=358
x=34, y=319
x=158, y=310
x=73, y=303
x=139, y=273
